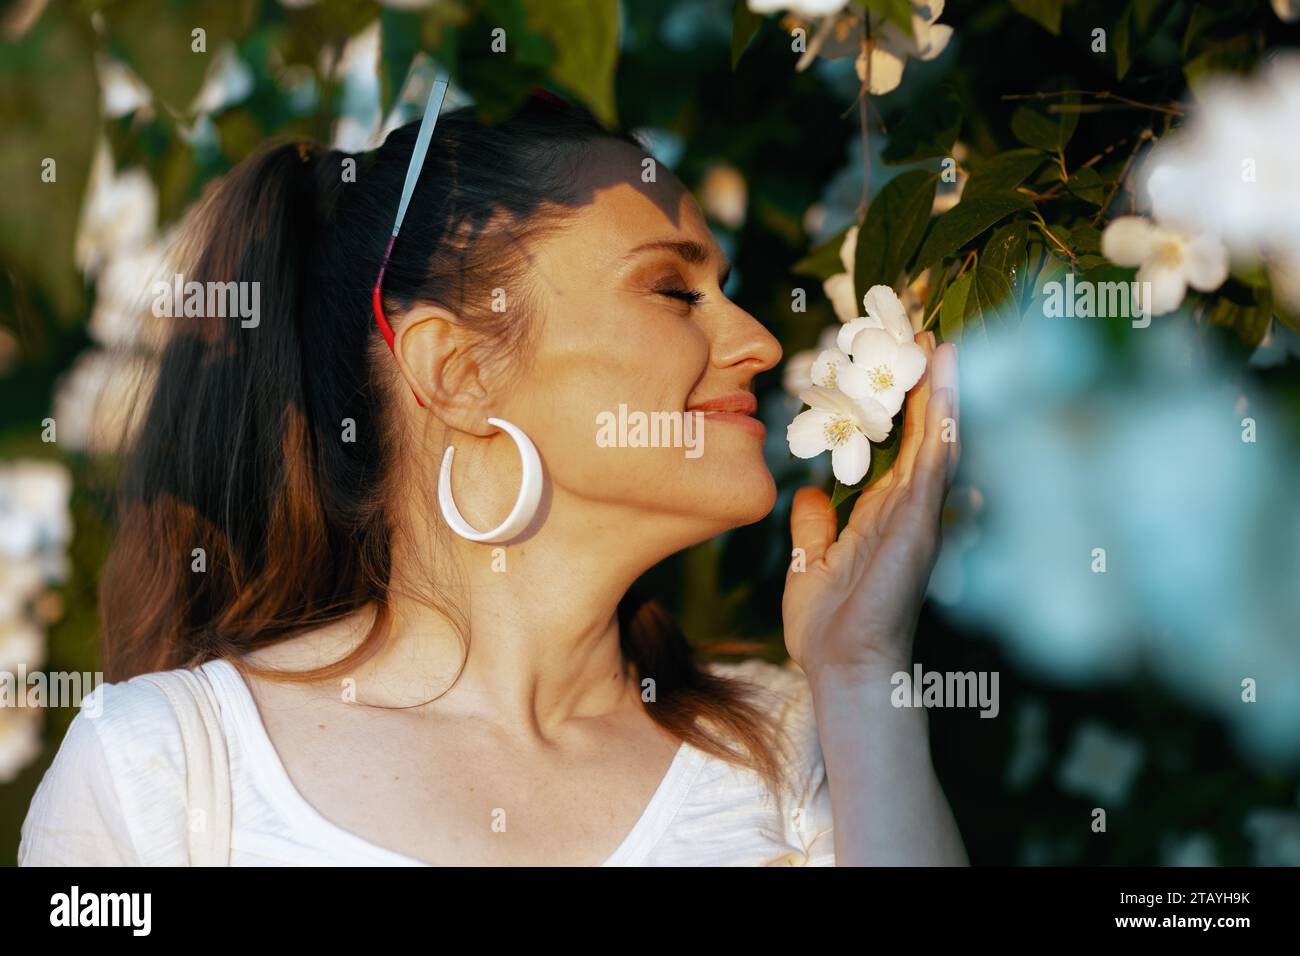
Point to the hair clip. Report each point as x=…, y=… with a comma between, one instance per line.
x=431, y=109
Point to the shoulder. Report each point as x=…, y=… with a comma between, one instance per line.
x=784, y=693
x=115, y=792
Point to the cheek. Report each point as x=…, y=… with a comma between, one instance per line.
x=646, y=364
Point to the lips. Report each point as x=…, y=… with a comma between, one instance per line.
x=739, y=403
x=737, y=408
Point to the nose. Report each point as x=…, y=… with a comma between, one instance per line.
x=741, y=340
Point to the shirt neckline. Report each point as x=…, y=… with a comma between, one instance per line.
x=636, y=845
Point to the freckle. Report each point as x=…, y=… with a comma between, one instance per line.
x=321, y=726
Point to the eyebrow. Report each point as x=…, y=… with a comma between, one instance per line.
x=688, y=250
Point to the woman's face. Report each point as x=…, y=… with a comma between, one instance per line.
x=634, y=328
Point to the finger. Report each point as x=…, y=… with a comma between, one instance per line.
x=914, y=417
x=812, y=523
x=946, y=375
x=931, y=479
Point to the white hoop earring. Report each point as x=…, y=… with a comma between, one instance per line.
x=530, y=491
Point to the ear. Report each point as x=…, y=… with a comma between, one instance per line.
x=432, y=350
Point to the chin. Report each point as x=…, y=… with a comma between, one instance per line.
x=747, y=493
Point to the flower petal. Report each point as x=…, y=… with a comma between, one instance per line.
x=849, y=249
x=806, y=435
x=886, y=69
x=872, y=347
x=881, y=302
x=1205, y=261
x=1128, y=241
x=798, y=372
x=1168, y=285
x=825, y=368
x=839, y=289
x=854, y=381
x=890, y=399
x=851, y=460
x=909, y=365
x=937, y=38
x=849, y=330
x=872, y=419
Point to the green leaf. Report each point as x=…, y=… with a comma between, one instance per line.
x=1122, y=41
x=157, y=42
x=882, y=456
x=897, y=12
x=953, y=311
x=1085, y=239
x=586, y=39
x=924, y=133
x=1134, y=29
x=991, y=305
x=1038, y=127
x=1087, y=184
x=1005, y=251
x=824, y=261
x=895, y=224
x=1003, y=172
x=744, y=26
x=964, y=222
x=49, y=105
x=1046, y=13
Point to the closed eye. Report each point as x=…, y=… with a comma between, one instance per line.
x=689, y=296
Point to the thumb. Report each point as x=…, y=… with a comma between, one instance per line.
x=812, y=522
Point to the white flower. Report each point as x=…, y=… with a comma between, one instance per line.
x=839, y=287
x=803, y=8
x=881, y=61
x=884, y=311
x=101, y=401
x=798, y=374
x=882, y=368
x=120, y=211
x=1229, y=169
x=842, y=426
x=888, y=48
x=1170, y=259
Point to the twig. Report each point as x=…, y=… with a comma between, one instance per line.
x=1143, y=137
x=1099, y=94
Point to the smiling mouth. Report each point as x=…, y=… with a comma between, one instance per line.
x=736, y=409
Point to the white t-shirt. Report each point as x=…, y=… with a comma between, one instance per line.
x=115, y=794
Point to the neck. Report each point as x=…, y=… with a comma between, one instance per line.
x=539, y=615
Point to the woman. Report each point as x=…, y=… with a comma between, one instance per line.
x=396, y=685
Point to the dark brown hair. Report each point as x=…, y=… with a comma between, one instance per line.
x=239, y=450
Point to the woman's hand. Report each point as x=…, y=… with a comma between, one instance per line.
x=852, y=611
